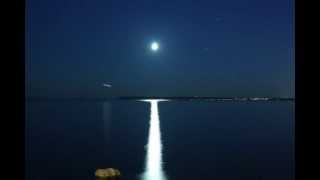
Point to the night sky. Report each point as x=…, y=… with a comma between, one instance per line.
x=207, y=48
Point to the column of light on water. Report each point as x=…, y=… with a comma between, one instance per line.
x=154, y=170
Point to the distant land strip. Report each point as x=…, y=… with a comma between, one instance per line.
x=169, y=98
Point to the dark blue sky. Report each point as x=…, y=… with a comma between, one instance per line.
x=207, y=48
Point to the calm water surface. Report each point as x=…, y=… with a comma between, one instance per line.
x=160, y=140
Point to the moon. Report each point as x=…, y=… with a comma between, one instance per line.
x=154, y=46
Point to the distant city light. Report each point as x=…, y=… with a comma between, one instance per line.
x=107, y=85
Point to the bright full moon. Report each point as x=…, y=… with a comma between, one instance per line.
x=154, y=46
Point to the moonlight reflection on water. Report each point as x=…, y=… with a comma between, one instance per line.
x=154, y=169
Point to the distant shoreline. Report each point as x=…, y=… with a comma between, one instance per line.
x=171, y=98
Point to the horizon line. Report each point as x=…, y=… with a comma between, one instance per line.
x=172, y=97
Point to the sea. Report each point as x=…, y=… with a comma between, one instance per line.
x=160, y=139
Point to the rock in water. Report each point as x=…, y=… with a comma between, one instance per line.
x=107, y=174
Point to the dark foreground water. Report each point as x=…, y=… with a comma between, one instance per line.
x=166, y=140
